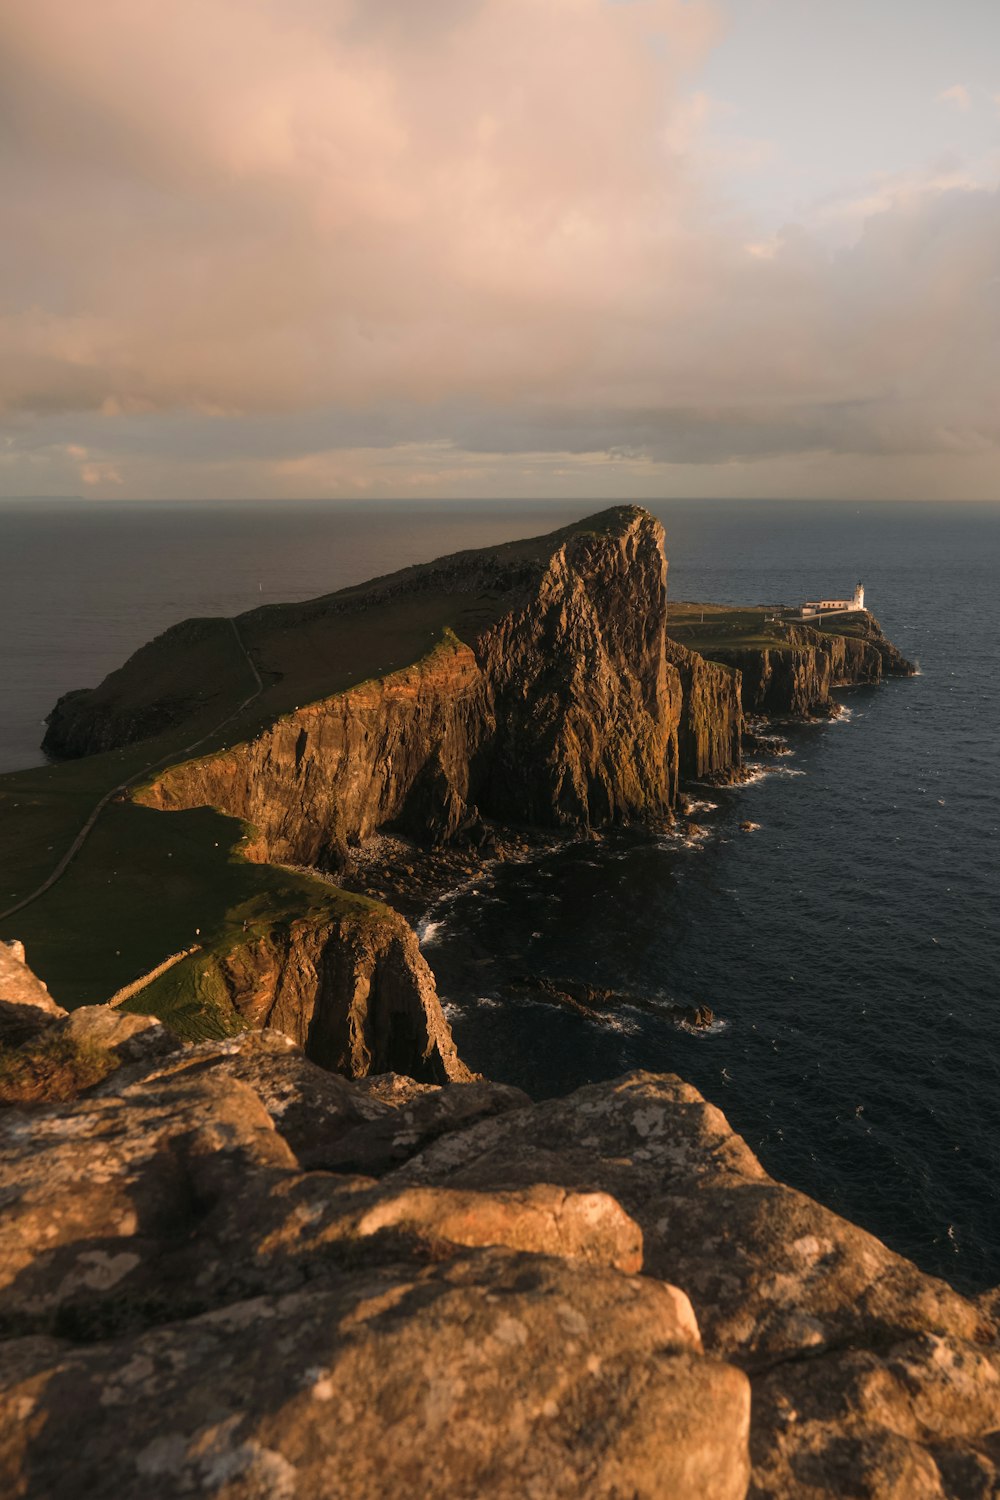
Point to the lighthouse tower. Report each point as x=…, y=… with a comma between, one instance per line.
x=859, y=596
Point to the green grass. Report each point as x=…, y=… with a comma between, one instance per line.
x=140, y=890
x=191, y=997
x=145, y=882
x=713, y=627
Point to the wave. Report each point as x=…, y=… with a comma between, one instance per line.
x=756, y=772
x=429, y=931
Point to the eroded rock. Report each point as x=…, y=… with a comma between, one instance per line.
x=181, y=1291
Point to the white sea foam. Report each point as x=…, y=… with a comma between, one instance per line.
x=429, y=931
x=717, y=1027
x=757, y=772
x=624, y=1025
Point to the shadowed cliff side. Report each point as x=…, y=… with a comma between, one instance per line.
x=353, y=990
x=710, y=732
x=564, y=712
x=795, y=676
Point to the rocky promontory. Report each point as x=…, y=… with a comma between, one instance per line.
x=227, y=1272
x=795, y=677
x=562, y=711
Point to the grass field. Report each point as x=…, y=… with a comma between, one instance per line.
x=707, y=627
x=148, y=884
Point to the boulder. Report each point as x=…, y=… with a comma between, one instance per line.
x=26, y=1007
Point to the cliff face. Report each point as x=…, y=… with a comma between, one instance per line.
x=400, y=746
x=355, y=993
x=710, y=731
x=797, y=681
x=565, y=712
x=586, y=701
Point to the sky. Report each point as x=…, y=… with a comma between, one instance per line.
x=500, y=248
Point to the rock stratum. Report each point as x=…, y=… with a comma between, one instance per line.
x=227, y=1272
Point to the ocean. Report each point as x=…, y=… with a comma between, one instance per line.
x=849, y=945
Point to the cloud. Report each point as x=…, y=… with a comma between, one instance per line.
x=302, y=243
x=958, y=96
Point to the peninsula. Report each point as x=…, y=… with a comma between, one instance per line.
x=539, y=685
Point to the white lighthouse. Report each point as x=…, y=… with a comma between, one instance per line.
x=835, y=606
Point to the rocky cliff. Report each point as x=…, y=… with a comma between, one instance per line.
x=796, y=679
x=551, y=696
x=225, y=1272
x=352, y=990
x=563, y=712
x=710, y=731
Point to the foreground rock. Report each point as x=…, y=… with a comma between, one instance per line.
x=227, y=1272
x=26, y=1007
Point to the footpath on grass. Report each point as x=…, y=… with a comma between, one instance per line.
x=123, y=786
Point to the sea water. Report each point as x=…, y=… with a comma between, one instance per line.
x=848, y=945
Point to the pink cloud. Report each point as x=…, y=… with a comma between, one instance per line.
x=488, y=210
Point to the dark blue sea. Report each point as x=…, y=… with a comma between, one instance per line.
x=849, y=946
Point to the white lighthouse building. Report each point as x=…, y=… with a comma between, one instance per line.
x=836, y=606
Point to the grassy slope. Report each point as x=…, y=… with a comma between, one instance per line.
x=712, y=627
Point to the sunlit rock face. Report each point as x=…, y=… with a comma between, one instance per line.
x=798, y=681
x=562, y=712
x=227, y=1271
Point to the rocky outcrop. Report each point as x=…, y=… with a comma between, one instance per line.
x=353, y=991
x=179, y=676
x=796, y=680
x=562, y=713
x=26, y=1007
x=227, y=1272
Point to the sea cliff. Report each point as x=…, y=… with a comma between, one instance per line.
x=564, y=712
x=350, y=987
x=796, y=678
